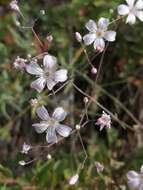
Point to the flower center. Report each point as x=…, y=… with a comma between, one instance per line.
x=52, y=122
x=99, y=33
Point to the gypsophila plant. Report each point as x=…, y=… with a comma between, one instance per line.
x=51, y=78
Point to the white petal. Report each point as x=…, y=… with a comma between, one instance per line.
x=50, y=83
x=59, y=114
x=51, y=136
x=38, y=84
x=42, y=113
x=130, y=2
x=123, y=9
x=132, y=174
x=63, y=130
x=49, y=62
x=131, y=19
x=141, y=186
x=103, y=23
x=139, y=4
x=91, y=26
x=40, y=127
x=60, y=75
x=34, y=69
x=89, y=39
x=99, y=44
x=139, y=14
x=110, y=36
x=141, y=170
x=134, y=183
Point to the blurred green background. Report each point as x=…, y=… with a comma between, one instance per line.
x=120, y=90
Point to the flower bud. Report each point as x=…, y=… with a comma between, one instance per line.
x=22, y=163
x=85, y=100
x=73, y=180
x=77, y=127
x=78, y=36
x=94, y=70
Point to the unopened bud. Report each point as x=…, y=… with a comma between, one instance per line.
x=49, y=156
x=94, y=70
x=85, y=100
x=22, y=163
x=42, y=12
x=49, y=38
x=77, y=127
x=73, y=180
x=78, y=36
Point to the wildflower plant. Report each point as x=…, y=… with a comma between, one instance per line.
x=50, y=76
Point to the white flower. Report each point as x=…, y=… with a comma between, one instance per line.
x=73, y=180
x=47, y=75
x=104, y=121
x=99, y=167
x=25, y=148
x=51, y=125
x=19, y=63
x=133, y=9
x=98, y=34
x=135, y=180
x=14, y=5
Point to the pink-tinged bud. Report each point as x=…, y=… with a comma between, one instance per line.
x=94, y=70
x=78, y=37
x=73, y=180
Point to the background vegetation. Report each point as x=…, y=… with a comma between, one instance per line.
x=120, y=90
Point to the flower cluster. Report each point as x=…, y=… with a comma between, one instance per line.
x=48, y=75
x=104, y=121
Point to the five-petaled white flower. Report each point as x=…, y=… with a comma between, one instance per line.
x=98, y=34
x=47, y=75
x=133, y=9
x=104, y=121
x=135, y=179
x=51, y=125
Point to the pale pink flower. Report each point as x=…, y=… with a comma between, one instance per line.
x=47, y=74
x=73, y=180
x=104, y=121
x=14, y=5
x=25, y=148
x=135, y=179
x=98, y=33
x=51, y=125
x=133, y=9
x=19, y=63
x=99, y=167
